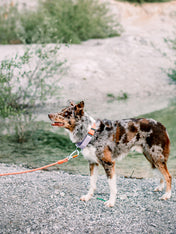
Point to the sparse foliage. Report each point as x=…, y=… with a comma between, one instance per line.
x=32, y=73
x=143, y=1
x=8, y=19
x=121, y=97
x=172, y=71
x=60, y=20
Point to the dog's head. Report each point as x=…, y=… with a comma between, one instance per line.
x=68, y=117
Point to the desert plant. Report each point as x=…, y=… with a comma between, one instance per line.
x=174, y=44
x=27, y=81
x=60, y=20
x=172, y=73
x=111, y=95
x=121, y=97
x=145, y=1
x=8, y=18
x=80, y=20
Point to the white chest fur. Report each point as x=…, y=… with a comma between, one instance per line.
x=89, y=154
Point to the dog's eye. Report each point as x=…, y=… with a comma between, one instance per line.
x=65, y=114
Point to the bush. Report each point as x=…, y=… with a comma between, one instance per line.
x=172, y=71
x=145, y=1
x=60, y=20
x=8, y=19
x=121, y=97
x=33, y=85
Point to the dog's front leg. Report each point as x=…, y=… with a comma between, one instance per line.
x=93, y=179
x=109, y=167
x=110, y=172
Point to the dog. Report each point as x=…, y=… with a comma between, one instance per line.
x=102, y=141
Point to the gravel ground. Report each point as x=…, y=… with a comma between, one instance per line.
x=48, y=202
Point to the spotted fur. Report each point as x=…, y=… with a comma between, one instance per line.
x=113, y=140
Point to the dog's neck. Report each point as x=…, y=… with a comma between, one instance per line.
x=81, y=129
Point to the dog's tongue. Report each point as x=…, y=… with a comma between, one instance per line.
x=57, y=124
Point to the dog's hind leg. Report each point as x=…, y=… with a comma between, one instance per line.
x=162, y=167
x=93, y=179
x=160, y=187
x=149, y=157
x=159, y=162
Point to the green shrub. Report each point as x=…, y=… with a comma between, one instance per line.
x=121, y=97
x=145, y=1
x=172, y=71
x=8, y=19
x=60, y=20
x=174, y=44
x=33, y=85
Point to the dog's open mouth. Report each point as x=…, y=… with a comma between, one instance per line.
x=59, y=124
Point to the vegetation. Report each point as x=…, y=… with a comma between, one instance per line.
x=60, y=20
x=32, y=85
x=8, y=18
x=41, y=147
x=121, y=97
x=172, y=71
x=145, y=1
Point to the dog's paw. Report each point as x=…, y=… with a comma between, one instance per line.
x=159, y=188
x=86, y=197
x=109, y=203
x=166, y=196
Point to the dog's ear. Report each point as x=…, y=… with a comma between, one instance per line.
x=81, y=105
x=79, y=109
x=70, y=102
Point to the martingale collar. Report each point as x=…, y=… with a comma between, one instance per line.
x=87, y=138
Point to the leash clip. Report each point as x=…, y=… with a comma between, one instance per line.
x=74, y=153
